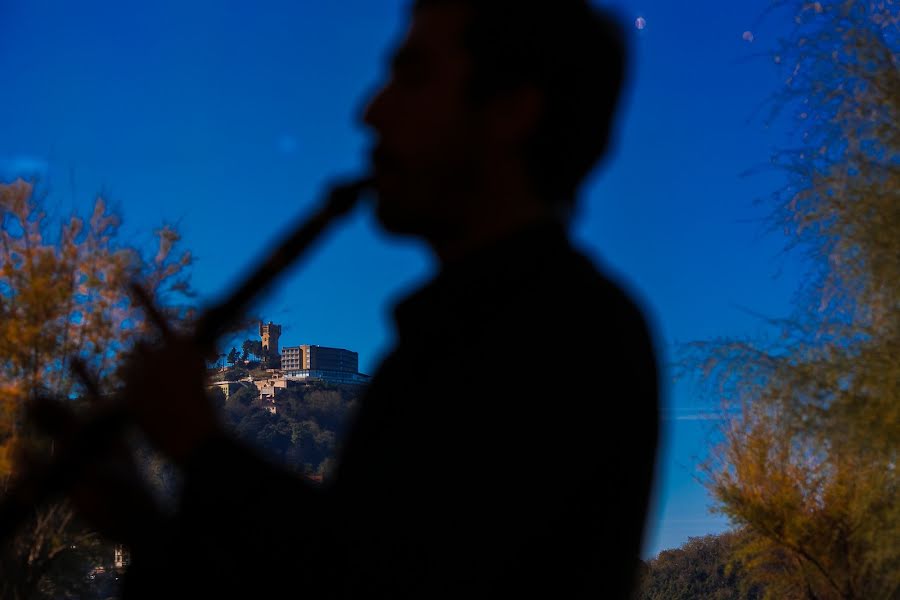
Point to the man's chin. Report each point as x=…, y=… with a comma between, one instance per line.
x=396, y=221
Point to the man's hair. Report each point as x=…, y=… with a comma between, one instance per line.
x=574, y=55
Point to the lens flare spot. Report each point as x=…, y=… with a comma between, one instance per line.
x=287, y=143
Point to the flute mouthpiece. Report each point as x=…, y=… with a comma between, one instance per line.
x=344, y=196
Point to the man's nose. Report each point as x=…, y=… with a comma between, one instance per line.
x=375, y=110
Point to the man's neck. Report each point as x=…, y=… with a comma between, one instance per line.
x=502, y=216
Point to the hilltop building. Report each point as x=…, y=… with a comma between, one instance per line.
x=121, y=557
x=319, y=358
x=334, y=365
x=228, y=387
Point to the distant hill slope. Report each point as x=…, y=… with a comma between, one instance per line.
x=305, y=431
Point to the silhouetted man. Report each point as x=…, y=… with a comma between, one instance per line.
x=505, y=446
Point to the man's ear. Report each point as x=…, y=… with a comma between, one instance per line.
x=511, y=117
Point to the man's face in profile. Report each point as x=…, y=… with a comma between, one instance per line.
x=429, y=138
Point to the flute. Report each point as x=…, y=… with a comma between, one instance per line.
x=101, y=431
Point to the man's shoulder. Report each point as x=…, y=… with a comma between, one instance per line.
x=571, y=288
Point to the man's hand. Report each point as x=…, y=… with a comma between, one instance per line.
x=164, y=388
x=108, y=491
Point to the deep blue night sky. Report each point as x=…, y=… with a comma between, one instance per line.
x=227, y=118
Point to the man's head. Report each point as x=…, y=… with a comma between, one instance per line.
x=484, y=93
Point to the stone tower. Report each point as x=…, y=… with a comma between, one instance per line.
x=270, y=334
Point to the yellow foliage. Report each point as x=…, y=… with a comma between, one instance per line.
x=807, y=466
x=64, y=296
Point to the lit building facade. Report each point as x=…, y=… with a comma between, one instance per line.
x=334, y=365
x=319, y=358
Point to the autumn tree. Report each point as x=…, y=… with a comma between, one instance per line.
x=808, y=461
x=64, y=294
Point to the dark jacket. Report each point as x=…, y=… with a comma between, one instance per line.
x=504, y=447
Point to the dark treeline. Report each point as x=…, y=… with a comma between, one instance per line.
x=704, y=568
x=304, y=432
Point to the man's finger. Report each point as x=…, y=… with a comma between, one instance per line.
x=91, y=385
x=52, y=417
x=145, y=300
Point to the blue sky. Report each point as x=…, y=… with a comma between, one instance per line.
x=228, y=118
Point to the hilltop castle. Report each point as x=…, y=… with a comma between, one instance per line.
x=270, y=335
x=299, y=365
